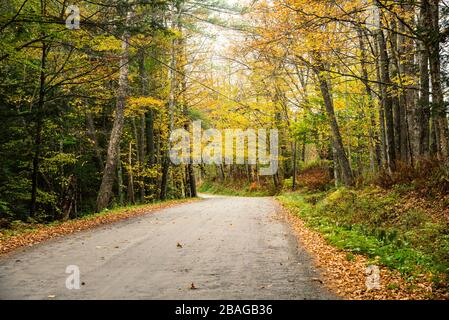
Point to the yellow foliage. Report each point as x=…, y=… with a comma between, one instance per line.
x=107, y=43
x=139, y=105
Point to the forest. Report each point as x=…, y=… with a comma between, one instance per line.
x=91, y=90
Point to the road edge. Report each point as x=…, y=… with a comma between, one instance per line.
x=347, y=278
x=43, y=233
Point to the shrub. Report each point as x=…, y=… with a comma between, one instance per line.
x=429, y=177
x=315, y=176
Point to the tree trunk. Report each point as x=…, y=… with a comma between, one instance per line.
x=192, y=181
x=190, y=168
x=141, y=139
x=105, y=192
x=303, y=150
x=39, y=123
x=149, y=119
x=295, y=160
x=375, y=153
x=131, y=197
x=422, y=117
x=407, y=97
x=387, y=101
x=121, y=197
x=142, y=158
x=381, y=111
x=337, y=168
x=347, y=175
x=171, y=107
x=137, y=139
x=439, y=109
x=394, y=92
x=433, y=145
x=93, y=135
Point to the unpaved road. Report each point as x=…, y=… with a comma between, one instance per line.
x=232, y=248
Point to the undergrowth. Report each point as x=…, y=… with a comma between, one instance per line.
x=18, y=227
x=380, y=225
x=243, y=189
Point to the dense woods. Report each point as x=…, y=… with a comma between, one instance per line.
x=87, y=112
x=360, y=86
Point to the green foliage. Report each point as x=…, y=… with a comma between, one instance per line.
x=69, y=126
x=235, y=189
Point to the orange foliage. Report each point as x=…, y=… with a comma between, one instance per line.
x=253, y=186
x=429, y=177
x=315, y=178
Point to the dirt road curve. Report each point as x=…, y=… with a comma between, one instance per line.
x=232, y=248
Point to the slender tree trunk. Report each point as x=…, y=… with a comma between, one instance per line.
x=337, y=168
x=39, y=124
x=433, y=146
x=131, y=197
x=150, y=137
x=422, y=117
x=347, y=174
x=295, y=164
x=394, y=92
x=375, y=153
x=171, y=108
x=93, y=135
x=381, y=111
x=439, y=109
x=141, y=145
x=121, y=197
x=192, y=181
x=222, y=173
x=387, y=102
x=190, y=168
x=407, y=71
x=105, y=192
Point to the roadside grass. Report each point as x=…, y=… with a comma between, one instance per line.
x=20, y=229
x=379, y=225
x=244, y=189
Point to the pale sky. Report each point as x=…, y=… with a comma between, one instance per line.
x=225, y=37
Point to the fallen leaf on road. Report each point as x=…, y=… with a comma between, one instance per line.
x=317, y=280
x=192, y=286
x=42, y=232
x=179, y=245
